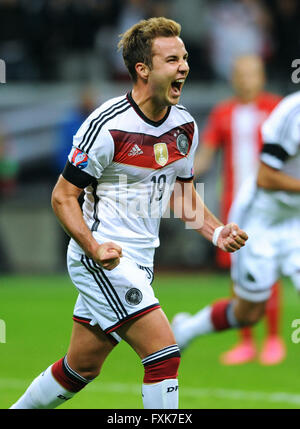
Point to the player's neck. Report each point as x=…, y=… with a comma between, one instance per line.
x=247, y=98
x=152, y=109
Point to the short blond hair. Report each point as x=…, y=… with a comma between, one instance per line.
x=136, y=42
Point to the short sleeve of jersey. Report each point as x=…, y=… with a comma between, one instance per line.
x=281, y=133
x=187, y=172
x=92, y=152
x=211, y=134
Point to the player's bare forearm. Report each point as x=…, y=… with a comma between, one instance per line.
x=67, y=209
x=276, y=180
x=189, y=207
x=203, y=159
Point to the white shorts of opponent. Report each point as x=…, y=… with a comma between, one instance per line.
x=272, y=250
x=110, y=298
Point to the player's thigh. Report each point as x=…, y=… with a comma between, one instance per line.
x=148, y=333
x=248, y=312
x=111, y=298
x=89, y=347
x=290, y=248
x=255, y=268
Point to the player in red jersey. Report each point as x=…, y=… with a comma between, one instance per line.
x=234, y=127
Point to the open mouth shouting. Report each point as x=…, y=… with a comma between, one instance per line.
x=176, y=87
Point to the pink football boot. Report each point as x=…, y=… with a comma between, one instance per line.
x=243, y=352
x=273, y=351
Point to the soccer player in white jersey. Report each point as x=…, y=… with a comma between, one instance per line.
x=127, y=157
x=234, y=127
x=268, y=207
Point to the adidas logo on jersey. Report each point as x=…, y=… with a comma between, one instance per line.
x=135, y=151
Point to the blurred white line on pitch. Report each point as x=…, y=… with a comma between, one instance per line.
x=2, y=331
x=135, y=389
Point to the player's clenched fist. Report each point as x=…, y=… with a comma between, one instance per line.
x=108, y=255
x=231, y=238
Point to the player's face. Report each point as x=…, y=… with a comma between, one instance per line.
x=169, y=70
x=248, y=77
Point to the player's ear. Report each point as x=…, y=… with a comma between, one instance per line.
x=142, y=70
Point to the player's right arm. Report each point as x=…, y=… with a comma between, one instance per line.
x=67, y=209
x=281, y=135
x=92, y=151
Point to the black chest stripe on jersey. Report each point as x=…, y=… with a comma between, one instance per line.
x=93, y=124
x=99, y=124
x=275, y=150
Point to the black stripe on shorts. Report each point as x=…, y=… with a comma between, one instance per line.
x=105, y=287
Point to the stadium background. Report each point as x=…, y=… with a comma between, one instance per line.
x=55, y=52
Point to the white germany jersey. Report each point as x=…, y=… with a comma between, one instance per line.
x=127, y=165
x=281, y=150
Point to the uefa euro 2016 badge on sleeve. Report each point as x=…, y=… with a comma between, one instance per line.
x=80, y=159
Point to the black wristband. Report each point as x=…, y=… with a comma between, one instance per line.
x=183, y=179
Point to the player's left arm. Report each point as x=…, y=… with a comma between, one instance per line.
x=276, y=180
x=189, y=207
x=280, y=135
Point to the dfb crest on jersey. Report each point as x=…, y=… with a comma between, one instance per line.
x=80, y=159
x=134, y=296
x=161, y=153
x=182, y=144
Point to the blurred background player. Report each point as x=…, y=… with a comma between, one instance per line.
x=8, y=182
x=234, y=127
x=87, y=103
x=269, y=207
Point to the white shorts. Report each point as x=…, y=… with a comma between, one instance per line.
x=110, y=298
x=272, y=250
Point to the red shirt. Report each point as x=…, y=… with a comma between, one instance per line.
x=236, y=129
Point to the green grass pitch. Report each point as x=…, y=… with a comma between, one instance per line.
x=37, y=311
